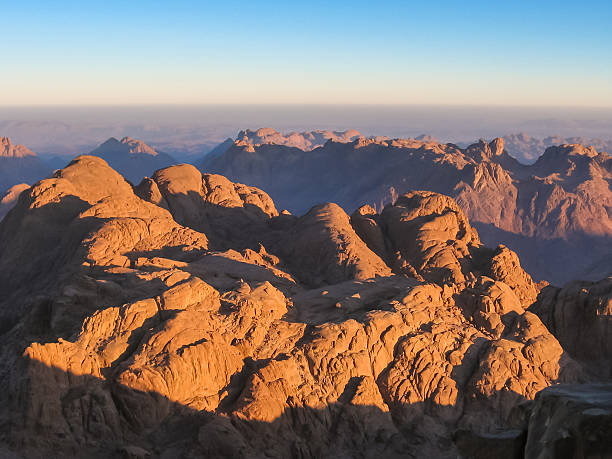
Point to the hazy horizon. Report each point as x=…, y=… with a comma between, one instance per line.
x=196, y=129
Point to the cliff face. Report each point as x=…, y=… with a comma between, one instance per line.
x=187, y=317
x=554, y=213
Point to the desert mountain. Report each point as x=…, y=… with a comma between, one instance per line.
x=221, y=148
x=187, y=317
x=132, y=158
x=554, y=213
x=305, y=141
x=18, y=164
x=528, y=149
x=8, y=150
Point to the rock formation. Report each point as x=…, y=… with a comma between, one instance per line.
x=554, y=213
x=186, y=317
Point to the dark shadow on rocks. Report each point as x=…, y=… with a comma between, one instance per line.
x=54, y=413
x=39, y=239
x=100, y=418
x=580, y=317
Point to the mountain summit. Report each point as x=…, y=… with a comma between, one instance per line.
x=133, y=158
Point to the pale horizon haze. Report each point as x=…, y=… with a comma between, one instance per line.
x=442, y=53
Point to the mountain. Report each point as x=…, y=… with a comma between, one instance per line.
x=9, y=198
x=187, y=317
x=554, y=213
x=217, y=151
x=306, y=141
x=528, y=149
x=18, y=164
x=132, y=158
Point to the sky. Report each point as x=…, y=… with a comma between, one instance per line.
x=512, y=53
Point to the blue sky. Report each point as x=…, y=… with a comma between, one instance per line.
x=388, y=52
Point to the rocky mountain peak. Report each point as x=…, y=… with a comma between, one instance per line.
x=126, y=145
x=10, y=150
x=483, y=151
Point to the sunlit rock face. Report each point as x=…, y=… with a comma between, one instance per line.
x=187, y=317
x=555, y=212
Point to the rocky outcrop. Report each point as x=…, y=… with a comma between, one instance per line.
x=571, y=421
x=146, y=324
x=323, y=248
x=231, y=214
x=580, y=316
x=430, y=234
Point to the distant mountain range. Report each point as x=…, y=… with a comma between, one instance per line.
x=554, y=213
x=133, y=158
x=528, y=149
x=187, y=318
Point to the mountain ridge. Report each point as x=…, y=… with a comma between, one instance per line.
x=565, y=195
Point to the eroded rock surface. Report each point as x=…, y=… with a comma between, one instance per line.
x=185, y=317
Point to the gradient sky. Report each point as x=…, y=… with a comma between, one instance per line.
x=550, y=53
